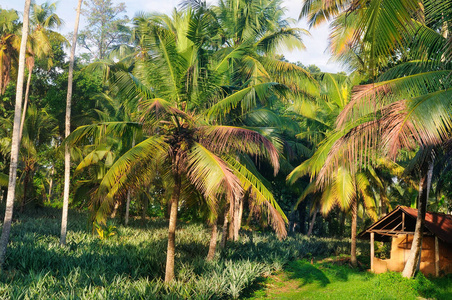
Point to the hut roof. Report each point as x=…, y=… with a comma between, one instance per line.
x=402, y=220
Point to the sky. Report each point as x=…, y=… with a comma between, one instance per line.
x=314, y=53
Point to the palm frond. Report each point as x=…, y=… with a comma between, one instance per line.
x=284, y=39
x=246, y=99
x=89, y=133
x=343, y=187
x=225, y=138
x=261, y=195
x=210, y=174
x=363, y=185
x=151, y=149
x=380, y=94
x=94, y=157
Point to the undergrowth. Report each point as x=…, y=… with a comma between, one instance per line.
x=130, y=264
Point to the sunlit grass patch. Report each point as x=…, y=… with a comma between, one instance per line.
x=330, y=279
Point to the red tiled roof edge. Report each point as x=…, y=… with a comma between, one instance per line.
x=437, y=223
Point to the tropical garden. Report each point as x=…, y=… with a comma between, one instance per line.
x=182, y=156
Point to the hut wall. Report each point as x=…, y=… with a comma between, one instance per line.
x=445, y=258
x=400, y=249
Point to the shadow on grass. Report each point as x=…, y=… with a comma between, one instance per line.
x=307, y=273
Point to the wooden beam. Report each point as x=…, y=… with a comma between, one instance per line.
x=391, y=222
x=436, y=256
x=372, y=250
x=396, y=232
x=394, y=228
x=379, y=231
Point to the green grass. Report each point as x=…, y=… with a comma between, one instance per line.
x=335, y=280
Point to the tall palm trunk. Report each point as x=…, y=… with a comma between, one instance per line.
x=224, y=235
x=67, y=155
x=231, y=220
x=126, y=217
x=302, y=217
x=213, y=240
x=24, y=110
x=238, y=213
x=144, y=211
x=115, y=209
x=237, y=217
x=169, y=272
x=353, y=258
x=27, y=171
x=311, y=226
x=51, y=183
x=414, y=256
x=15, y=143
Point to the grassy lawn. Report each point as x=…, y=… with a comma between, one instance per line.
x=336, y=280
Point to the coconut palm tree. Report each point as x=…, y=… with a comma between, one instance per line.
x=410, y=103
x=9, y=45
x=15, y=142
x=181, y=143
x=67, y=155
x=43, y=20
x=345, y=189
x=39, y=131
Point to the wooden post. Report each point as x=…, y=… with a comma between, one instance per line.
x=403, y=221
x=372, y=251
x=436, y=256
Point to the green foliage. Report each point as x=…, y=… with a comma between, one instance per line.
x=105, y=231
x=131, y=266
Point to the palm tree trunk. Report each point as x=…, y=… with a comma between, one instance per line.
x=126, y=217
x=224, y=236
x=26, y=180
x=51, y=183
x=169, y=272
x=115, y=210
x=231, y=219
x=15, y=142
x=302, y=217
x=353, y=258
x=239, y=213
x=213, y=241
x=414, y=256
x=24, y=111
x=237, y=217
x=242, y=203
x=144, y=212
x=67, y=155
x=311, y=226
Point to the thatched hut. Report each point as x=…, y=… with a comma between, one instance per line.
x=398, y=228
